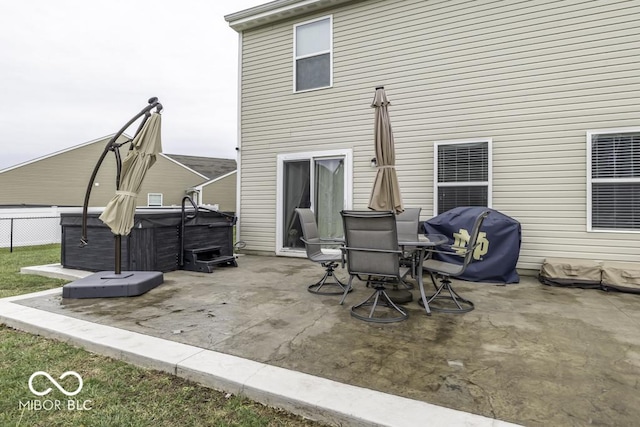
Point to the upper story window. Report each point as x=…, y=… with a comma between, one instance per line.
x=462, y=174
x=313, y=56
x=613, y=180
x=154, y=199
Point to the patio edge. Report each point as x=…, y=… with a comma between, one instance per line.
x=306, y=395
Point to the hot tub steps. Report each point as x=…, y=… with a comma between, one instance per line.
x=206, y=259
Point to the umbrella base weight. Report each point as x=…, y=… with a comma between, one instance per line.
x=107, y=284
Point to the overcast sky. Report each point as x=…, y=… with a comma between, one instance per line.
x=72, y=71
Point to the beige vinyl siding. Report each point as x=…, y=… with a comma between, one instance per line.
x=221, y=192
x=170, y=179
x=532, y=75
x=61, y=179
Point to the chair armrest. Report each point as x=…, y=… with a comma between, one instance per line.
x=349, y=248
x=334, y=241
x=452, y=249
x=322, y=242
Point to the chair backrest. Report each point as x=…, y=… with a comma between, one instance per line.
x=408, y=223
x=371, y=243
x=309, y=232
x=473, y=241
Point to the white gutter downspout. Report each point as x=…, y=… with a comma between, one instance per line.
x=239, y=139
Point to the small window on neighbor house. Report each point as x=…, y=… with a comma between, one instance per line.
x=613, y=180
x=462, y=174
x=312, y=63
x=154, y=199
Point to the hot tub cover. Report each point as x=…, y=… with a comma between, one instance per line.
x=500, y=237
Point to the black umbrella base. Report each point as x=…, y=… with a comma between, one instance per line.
x=107, y=284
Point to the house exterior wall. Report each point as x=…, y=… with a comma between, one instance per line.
x=221, y=192
x=532, y=76
x=170, y=179
x=61, y=179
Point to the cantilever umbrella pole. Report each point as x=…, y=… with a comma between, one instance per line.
x=153, y=103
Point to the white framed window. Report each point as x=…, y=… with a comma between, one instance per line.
x=313, y=54
x=154, y=199
x=319, y=180
x=462, y=174
x=613, y=180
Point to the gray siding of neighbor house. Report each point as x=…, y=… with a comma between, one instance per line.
x=532, y=75
x=61, y=179
x=221, y=192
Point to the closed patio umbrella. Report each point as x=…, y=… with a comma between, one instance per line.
x=385, y=195
x=119, y=213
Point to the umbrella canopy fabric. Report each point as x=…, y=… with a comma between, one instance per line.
x=119, y=213
x=385, y=194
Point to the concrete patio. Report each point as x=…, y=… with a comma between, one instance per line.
x=528, y=354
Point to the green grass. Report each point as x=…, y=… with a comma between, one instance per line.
x=118, y=394
x=12, y=282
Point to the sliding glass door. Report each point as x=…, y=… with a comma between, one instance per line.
x=329, y=196
x=297, y=194
x=319, y=181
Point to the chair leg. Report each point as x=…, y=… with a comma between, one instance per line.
x=379, y=299
x=402, y=296
x=454, y=302
x=347, y=289
x=336, y=286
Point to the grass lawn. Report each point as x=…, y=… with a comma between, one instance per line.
x=14, y=283
x=114, y=393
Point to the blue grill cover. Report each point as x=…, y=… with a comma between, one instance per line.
x=500, y=236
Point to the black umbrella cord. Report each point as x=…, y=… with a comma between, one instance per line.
x=113, y=146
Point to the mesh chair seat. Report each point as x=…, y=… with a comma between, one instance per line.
x=443, y=268
x=327, y=257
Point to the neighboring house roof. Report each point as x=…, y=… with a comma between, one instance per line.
x=276, y=11
x=209, y=167
x=61, y=178
x=211, y=181
x=104, y=140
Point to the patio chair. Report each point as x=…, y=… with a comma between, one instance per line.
x=408, y=223
x=452, y=301
x=371, y=249
x=313, y=244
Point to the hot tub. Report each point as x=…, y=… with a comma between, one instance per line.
x=152, y=245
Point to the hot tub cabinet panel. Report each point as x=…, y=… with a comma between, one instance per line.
x=205, y=235
x=152, y=245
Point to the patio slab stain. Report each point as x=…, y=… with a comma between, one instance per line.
x=529, y=353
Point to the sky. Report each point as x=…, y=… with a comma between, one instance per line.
x=73, y=71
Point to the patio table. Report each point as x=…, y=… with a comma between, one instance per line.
x=420, y=250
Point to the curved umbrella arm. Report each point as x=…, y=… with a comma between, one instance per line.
x=113, y=146
x=116, y=152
